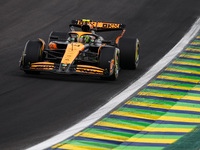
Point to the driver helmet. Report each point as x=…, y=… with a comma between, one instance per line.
x=85, y=39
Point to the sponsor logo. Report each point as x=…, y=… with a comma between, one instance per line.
x=110, y=25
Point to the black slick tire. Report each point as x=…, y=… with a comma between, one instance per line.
x=32, y=53
x=109, y=60
x=129, y=53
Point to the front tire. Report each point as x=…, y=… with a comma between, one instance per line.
x=109, y=60
x=32, y=53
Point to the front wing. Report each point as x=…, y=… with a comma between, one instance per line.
x=69, y=69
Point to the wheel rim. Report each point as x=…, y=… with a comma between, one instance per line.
x=116, y=65
x=137, y=56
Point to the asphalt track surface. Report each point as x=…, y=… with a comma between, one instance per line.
x=36, y=107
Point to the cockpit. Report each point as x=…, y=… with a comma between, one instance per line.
x=83, y=38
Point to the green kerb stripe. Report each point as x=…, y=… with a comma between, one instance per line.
x=157, y=136
x=152, y=101
x=122, y=147
x=192, y=54
x=164, y=92
x=184, y=115
x=107, y=132
x=125, y=122
x=140, y=111
x=188, y=60
x=184, y=68
x=92, y=144
x=194, y=47
x=180, y=76
x=173, y=83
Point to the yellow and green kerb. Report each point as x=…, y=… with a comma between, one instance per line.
x=166, y=110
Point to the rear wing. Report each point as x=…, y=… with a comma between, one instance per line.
x=88, y=25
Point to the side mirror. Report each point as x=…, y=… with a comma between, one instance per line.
x=72, y=28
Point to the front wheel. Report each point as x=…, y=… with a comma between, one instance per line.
x=32, y=53
x=109, y=60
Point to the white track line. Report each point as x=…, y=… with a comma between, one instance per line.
x=124, y=94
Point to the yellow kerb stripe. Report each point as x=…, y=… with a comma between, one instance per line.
x=122, y=126
x=99, y=136
x=146, y=140
x=195, y=89
x=185, y=63
x=148, y=105
x=191, y=98
x=56, y=146
x=178, y=79
x=163, y=106
x=185, y=108
x=190, y=56
x=184, y=71
x=195, y=43
x=135, y=115
x=149, y=129
x=169, y=86
x=77, y=147
x=181, y=119
x=160, y=95
x=193, y=49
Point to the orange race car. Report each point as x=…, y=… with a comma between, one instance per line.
x=82, y=52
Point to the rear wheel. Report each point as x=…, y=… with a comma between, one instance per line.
x=129, y=53
x=32, y=53
x=109, y=60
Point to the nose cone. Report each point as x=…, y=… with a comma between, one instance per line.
x=72, y=52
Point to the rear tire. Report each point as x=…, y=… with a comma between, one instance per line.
x=129, y=53
x=32, y=53
x=109, y=60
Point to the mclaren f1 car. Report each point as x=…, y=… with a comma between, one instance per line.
x=82, y=51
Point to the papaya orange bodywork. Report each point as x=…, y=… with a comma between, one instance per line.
x=117, y=39
x=53, y=45
x=80, y=52
x=89, y=69
x=42, y=65
x=72, y=52
x=100, y=48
